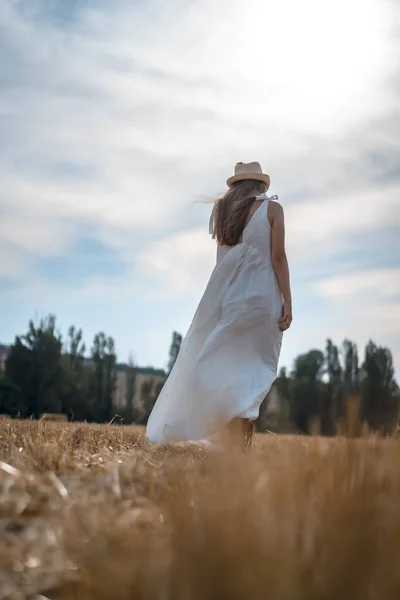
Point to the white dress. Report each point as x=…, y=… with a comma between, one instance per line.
x=229, y=357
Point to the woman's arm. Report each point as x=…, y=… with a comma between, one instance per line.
x=279, y=261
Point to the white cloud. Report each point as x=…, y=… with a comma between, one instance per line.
x=34, y=234
x=365, y=305
x=367, y=301
x=13, y=265
x=183, y=262
x=380, y=283
x=327, y=225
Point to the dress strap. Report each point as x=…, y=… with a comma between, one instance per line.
x=265, y=197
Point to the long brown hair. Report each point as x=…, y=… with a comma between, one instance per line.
x=232, y=210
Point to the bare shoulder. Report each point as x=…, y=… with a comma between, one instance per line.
x=275, y=211
x=275, y=207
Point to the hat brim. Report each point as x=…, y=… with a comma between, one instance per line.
x=255, y=176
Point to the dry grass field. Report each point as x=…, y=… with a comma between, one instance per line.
x=95, y=512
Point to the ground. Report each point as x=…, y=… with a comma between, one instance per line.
x=96, y=512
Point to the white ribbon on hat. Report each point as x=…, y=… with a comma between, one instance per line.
x=212, y=216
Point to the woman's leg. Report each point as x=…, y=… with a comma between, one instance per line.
x=240, y=433
x=248, y=438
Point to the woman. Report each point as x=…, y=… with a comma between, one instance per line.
x=229, y=357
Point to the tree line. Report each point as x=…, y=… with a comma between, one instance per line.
x=336, y=391
x=45, y=373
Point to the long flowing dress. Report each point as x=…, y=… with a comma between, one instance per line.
x=228, y=359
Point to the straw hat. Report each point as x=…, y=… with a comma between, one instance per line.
x=251, y=170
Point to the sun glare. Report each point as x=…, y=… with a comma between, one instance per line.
x=314, y=62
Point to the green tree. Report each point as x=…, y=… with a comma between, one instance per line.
x=129, y=413
x=16, y=389
x=110, y=360
x=310, y=365
x=103, y=377
x=332, y=404
x=174, y=349
x=10, y=399
x=283, y=387
x=380, y=391
x=76, y=399
x=351, y=370
x=74, y=348
x=307, y=389
x=34, y=370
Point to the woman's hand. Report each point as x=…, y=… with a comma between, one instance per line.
x=286, y=320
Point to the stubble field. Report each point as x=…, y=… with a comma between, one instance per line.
x=96, y=512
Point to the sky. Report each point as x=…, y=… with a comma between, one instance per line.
x=120, y=120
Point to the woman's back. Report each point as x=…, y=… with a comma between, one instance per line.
x=257, y=231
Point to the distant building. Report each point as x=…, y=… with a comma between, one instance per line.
x=142, y=375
